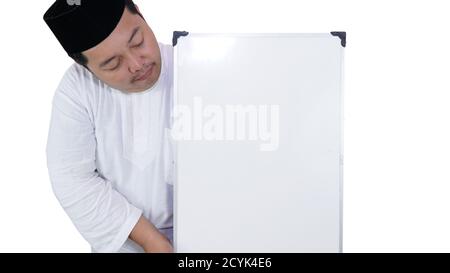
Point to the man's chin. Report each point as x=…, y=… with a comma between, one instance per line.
x=137, y=89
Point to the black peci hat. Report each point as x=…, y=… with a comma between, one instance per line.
x=82, y=24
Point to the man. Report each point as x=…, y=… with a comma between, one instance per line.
x=108, y=153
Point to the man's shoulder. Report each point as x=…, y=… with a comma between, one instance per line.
x=167, y=60
x=76, y=73
x=78, y=79
x=166, y=48
x=165, y=45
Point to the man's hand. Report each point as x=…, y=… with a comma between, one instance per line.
x=149, y=238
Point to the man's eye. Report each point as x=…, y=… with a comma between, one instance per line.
x=115, y=67
x=140, y=44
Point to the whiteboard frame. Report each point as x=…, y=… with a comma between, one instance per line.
x=179, y=34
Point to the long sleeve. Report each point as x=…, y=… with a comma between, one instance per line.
x=101, y=214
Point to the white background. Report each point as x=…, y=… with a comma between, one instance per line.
x=397, y=114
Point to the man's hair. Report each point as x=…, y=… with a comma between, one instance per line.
x=80, y=58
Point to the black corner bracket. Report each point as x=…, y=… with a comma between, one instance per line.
x=342, y=35
x=176, y=35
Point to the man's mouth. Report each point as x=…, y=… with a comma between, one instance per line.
x=148, y=71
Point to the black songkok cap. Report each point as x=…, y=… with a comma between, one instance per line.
x=82, y=24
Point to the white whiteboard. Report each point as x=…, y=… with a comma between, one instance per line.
x=269, y=189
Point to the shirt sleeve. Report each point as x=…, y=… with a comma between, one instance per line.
x=101, y=214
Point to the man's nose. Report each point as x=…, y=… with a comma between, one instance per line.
x=135, y=63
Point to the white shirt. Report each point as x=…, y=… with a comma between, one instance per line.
x=109, y=156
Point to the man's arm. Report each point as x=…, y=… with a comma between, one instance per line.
x=102, y=215
x=149, y=238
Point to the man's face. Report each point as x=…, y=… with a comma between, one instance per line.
x=129, y=59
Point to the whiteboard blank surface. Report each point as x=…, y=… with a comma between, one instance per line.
x=255, y=193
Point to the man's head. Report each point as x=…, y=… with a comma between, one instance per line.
x=129, y=58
